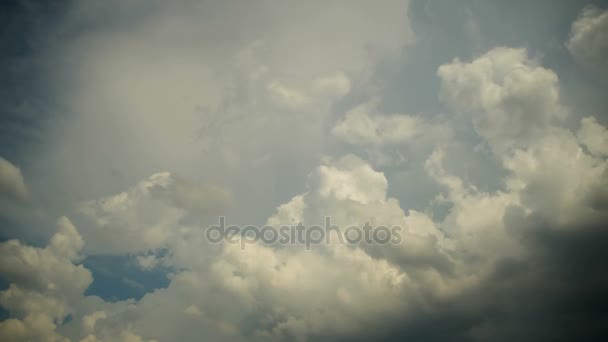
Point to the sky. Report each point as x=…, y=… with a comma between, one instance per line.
x=478, y=128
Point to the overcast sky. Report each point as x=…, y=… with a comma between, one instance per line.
x=478, y=127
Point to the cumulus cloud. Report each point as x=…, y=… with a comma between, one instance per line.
x=282, y=113
x=588, y=41
x=385, y=137
x=277, y=290
x=149, y=215
x=522, y=127
x=45, y=285
x=594, y=136
x=510, y=98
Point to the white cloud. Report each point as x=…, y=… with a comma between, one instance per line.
x=245, y=102
x=32, y=328
x=475, y=221
x=88, y=321
x=352, y=179
x=572, y=192
x=286, y=292
x=11, y=181
x=594, y=136
x=47, y=269
x=45, y=285
x=334, y=86
x=515, y=107
x=510, y=98
x=123, y=336
x=287, y=96
x=362, y=125
x=147, y=216
x=588, y=41
x=387, y=139
x=141, y=220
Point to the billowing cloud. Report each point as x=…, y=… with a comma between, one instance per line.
x=45, y=285
x=588, y=41
x=463, y=147
x=511, y=99
x=522, y=128
x=148, y=215
x=594, y=136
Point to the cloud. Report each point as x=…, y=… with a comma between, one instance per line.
x=385, y=138
x=174, y=87
x=510, y=98
x=444, y=262
x=123, y=336
x=594, y=136
x=12, y=184
x=149, y=215
x=45, y=285
x=279, y=113
x=359, y=126
x=272, y=289
x=259, y=284
x=516, y=107
x=588, y=41
x=15, y=199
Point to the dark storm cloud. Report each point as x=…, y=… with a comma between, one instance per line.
x=555, y=294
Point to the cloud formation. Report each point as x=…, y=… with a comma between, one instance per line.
x=588, y=41
x=168, y=115
x=12, y=184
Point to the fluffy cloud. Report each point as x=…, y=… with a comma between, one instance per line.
x=292, y=293
x=148, y=215
x=516, y=107
x=594, y=136
x=279, y=113
x=45, y=285
x=588, y=41
x=385, y=137
x=272, y=289
x=142, y=222
x=510, y=98
x=276, y=290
